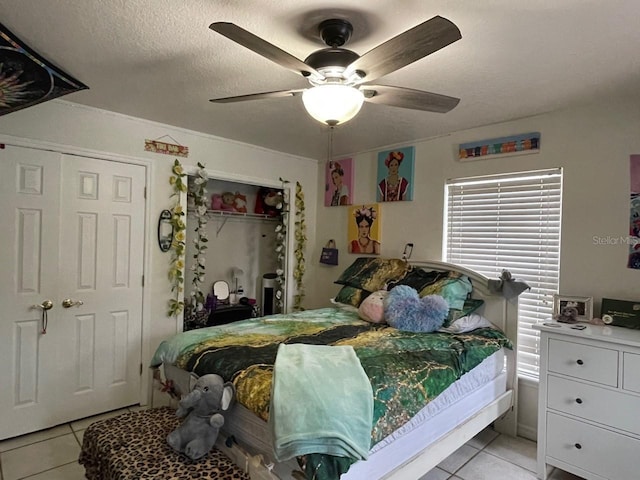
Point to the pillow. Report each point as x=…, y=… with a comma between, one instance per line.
x=372, y=274
x=467, y=324
x=351, y=296
x=372, y=308
x=419, y=278
x=470, y=305
x=405, y=310
x=344, y=306
x=454, y=288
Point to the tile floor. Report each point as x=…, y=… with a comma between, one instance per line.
x=53, y=455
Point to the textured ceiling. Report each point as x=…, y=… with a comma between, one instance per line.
x=158, y=60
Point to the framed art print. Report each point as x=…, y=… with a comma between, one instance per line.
x=26, y=78
x=395, y=175
x=364, y=229
x=338, y=189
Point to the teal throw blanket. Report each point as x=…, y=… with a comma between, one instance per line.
x=321, y=402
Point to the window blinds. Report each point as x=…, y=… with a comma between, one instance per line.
x=510, y=222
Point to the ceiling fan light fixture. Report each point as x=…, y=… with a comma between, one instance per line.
x=332, y=104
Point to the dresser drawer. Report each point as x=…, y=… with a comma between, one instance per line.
x=611, y=408
x=631, y=375
x=594, y=449
x=595, y=364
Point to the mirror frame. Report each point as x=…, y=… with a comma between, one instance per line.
x=220, y=287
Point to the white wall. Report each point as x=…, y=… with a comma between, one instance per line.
x=592, y=144
x=63, y=123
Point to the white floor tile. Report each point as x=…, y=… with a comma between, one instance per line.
x=38, y=457
x=488, y=467
x=85, y=422
x=483, y=439
x=71, y=471
x=458, y=458
x=435, y=474
x=516, y=450
x=79, y=436
x=30, y=438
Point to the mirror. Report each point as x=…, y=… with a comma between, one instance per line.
x=165, y=231
x=221, y=290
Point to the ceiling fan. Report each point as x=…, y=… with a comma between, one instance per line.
x=339, y=77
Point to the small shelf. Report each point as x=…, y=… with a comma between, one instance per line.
x=225, y=215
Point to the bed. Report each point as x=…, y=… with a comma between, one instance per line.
x=424, y=418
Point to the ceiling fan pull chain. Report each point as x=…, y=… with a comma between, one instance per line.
x=330, y=145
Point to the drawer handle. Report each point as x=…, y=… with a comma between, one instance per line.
x=578, y=446
x=579, y=362
x=578, y=400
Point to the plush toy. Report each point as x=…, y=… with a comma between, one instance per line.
x=225, y=201
x=568, y=314
x=405, y=310
x=269, y=201
x=372, y=308
x=202, y=408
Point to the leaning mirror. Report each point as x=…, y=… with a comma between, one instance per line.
x=221, y=290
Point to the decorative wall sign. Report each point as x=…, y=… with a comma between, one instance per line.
x=395, y=175
x=504, y=146
x=156, y=146
x=26, y=78
x=634, y=216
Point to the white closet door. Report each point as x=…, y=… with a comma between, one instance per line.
x=75, y=232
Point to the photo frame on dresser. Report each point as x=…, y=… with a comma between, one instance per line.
x=570, y=309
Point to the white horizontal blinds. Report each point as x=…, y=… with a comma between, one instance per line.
x=510, y=222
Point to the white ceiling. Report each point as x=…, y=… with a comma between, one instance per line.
x=158, y=60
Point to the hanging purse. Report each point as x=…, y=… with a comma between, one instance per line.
x=329, y=255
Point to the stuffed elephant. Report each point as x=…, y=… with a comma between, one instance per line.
x=202, y=407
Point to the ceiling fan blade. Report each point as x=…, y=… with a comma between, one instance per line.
x=409, y=98
x=264, y=48
x=406, y=48
x=258, y=96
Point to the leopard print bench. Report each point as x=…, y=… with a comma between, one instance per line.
x=133, y=446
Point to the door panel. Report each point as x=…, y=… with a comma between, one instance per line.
x=29, y=195
x=101, y=265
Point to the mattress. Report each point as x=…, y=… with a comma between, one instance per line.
x=460, y=401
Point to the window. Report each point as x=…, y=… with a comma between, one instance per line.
x=510, y=222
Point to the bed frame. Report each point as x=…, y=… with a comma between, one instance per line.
x=502, y=411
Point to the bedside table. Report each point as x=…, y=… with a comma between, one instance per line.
x=229, y=313
x=589, y=401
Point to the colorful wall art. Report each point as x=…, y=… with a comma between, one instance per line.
x=395, y=175
x=339, y=178
x=364, y=229
x=26, y=78
x=513, y=145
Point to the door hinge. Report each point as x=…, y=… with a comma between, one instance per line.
x=143, y=280
x=140, y=368
x=145, y=192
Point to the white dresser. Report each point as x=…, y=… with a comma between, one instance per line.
x=589, y=402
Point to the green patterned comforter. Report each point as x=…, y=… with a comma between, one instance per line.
x=406, y=370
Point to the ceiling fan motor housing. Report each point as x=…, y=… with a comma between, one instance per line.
x=335, y=32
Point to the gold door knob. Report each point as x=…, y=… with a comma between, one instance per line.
x=68, y=303
x=46, y=305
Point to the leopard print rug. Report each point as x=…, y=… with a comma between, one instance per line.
x=133, y=446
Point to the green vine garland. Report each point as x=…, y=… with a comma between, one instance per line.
x=198, y=192
x=281, y=248
x=300, y=244
x=176, y=266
